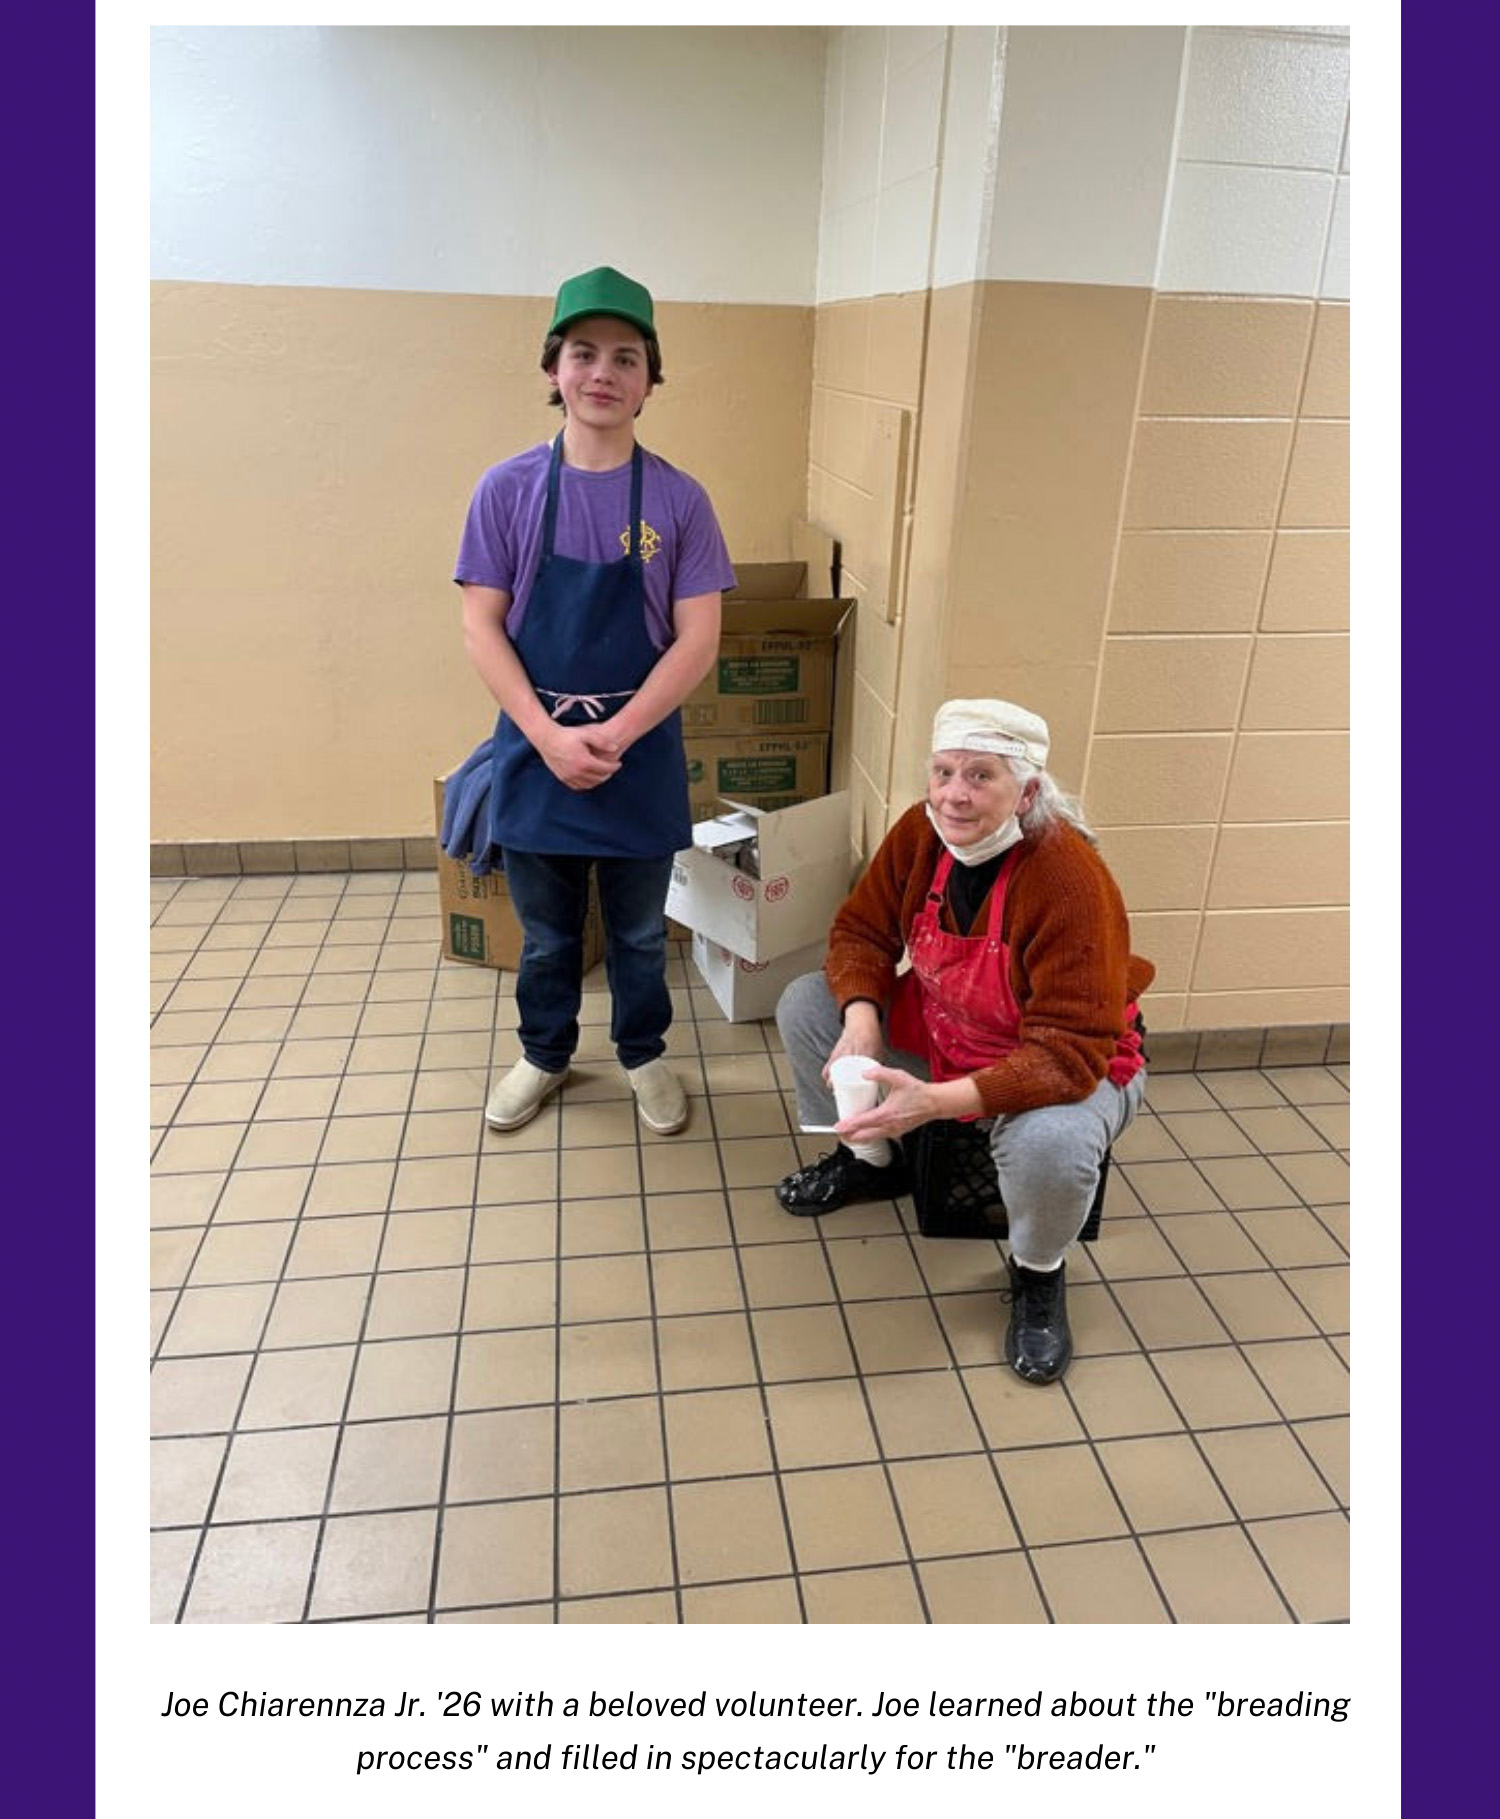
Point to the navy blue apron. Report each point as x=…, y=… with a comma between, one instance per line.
x=583, y=643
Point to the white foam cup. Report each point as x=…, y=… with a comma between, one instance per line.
x=851, y=1091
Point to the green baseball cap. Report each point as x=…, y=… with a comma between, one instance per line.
x=603, y=292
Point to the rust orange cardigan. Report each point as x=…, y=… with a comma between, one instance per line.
x=1071, y=968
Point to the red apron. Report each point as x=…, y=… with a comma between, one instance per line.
x=955, y=1007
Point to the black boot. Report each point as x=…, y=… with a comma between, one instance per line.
x=833, y=1181
x=1038, y=1343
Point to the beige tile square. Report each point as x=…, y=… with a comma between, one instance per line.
x=1298, y=683
x=1210, y=1243
x=1206, y=475
x=1163, y=1483
x=350, y=1187
x=876, y=1594
x=254, y=1573
x=226, y=1102
x=281, y=1142
x=897, y=1335
x=1246, y=1181
x=363, y=1139
x=1099, y=1330
x=732, y=1529
x=959, y=1265
x=1165, y=684
x=785, y=1275
x=1266, y=1473
x=749, y=1115
x=587, y=1125
x=420, y=1241
x=323, y=1312
x=801, y=1342
x=974, y=1326
x=757, y=1161
x=604, y=1444
x=301, y=1388
x=612, y=1541
x=1058, y=1493
x=386, y=1463
x=1013, y=1413
x=680, y=1167
x=172, y=1250
x=757, y=1219
x=1188, y=581
x=1321, y=1180
x=1212, y=1575
x=820, y=1423
x=922, y=1412
x=696, y=1282
x=196, y=1395
x=1309, y=1556
x=601, y=1288
x=867, y=1269
x=1256, y=1306
x=184, y=1199
x=1291, y=775
x=402, y=1377
x=843, y=1517
x=640, y=1607
x=504, y=1369
x=1171, y=1187
x=510, y=1294
x=993, y=1588
x=514, y=1177
x=507, y=1234
x=333, y=1247
x=705, y=1351
x=604, y=1359
x=687, y=1221
x=1225, y=357
x=1129, y=1249
x=217, y=1320
x=500, y=1454
x=1305, y=1376
x=197, y=1148
x=435, y=1181
x=1117, y=1397
x=183, y=1474
x=276, y=1474
x=1148, y=1139
x=1292, y=1238
x=1170, y=1312
x=1214, y=1387
x=1099, y=1582
x=1305, y=1085
x=494, y=1553
x=717, y=1433
x=952, y=1506
x=371, y=1095
x=594, y=1228
x=415, y=1302
x=754, y=1601
x=588, y=1172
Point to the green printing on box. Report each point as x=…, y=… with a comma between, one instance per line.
x=759, y=675
x=756, y=776
x=466, y=937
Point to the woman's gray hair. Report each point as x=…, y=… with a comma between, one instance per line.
x=1050, y=803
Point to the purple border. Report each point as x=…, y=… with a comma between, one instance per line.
x=49, y=745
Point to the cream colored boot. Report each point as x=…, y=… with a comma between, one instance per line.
x=520, y=1096
x=659, y=1097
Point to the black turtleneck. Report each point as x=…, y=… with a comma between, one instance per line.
x=968, y=886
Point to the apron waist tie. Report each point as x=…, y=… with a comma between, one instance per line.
x=592, y=705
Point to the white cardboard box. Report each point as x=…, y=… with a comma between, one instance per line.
x=746, y=990
x=804, y=870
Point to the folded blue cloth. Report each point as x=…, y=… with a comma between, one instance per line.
x=466, y=813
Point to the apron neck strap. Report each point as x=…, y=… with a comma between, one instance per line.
x=549, y=515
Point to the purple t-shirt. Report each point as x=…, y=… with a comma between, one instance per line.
x=682, y=547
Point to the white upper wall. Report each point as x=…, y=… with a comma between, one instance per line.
x=1260, y=195
x=489, y=159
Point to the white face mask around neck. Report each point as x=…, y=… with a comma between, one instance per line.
x=977, y=851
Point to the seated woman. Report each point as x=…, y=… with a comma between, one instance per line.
x=1019, y=1005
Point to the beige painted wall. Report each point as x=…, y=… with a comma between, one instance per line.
x=313, y=454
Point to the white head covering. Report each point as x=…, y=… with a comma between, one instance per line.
x=991, y=726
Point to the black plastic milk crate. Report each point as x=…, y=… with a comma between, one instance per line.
x=954, y=1187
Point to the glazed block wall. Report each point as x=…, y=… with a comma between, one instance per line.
x=1125, y=506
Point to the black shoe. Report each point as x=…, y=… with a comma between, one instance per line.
x=1038, y=1342
x=833, y=1181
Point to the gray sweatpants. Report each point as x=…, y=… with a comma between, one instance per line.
x=1047, y=1160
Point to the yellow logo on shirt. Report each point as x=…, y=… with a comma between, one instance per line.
x=650, y=542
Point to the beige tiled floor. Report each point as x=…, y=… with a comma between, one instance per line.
x=407, y=1369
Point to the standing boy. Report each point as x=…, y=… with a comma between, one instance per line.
x=591, y=575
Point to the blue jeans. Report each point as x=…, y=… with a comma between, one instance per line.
x=550, y=894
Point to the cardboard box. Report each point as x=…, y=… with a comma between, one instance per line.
x=764, y=884
x=746, y=990
x=479, y=923
x=768, y=771
x=776, y=656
